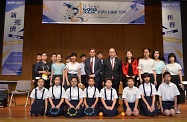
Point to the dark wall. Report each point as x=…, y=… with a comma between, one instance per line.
x=184, y=35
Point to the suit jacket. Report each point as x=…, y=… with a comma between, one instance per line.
x=116, y=73
x=97, y=67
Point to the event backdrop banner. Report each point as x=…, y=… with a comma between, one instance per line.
x=171, y=29
x=13, y=37
x=93, y=12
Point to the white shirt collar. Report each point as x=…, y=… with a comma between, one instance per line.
x=38, y=88
x=167, y=84
x=89, y=87
x=130, y=88
x=108, y=89
x=74, y=88
x=148, y=84
x=172, y=64
x=55, y=86
x=92, y=58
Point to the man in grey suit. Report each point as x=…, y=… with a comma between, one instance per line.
x=93, y=68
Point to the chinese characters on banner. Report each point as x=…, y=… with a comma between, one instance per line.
x=13, y=37
x=171, y=30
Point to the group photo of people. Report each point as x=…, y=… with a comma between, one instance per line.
x=151, y=86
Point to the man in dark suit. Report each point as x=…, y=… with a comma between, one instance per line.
x=112, y=68
x=93, y=68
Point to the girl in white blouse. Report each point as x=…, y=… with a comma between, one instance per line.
x=147, y=65
x=72, y=69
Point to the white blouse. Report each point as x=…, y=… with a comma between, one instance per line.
x=173, y=69
x=148, y=66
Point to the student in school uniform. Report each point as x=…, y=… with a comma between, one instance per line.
x=82, y=72
x=67, y=60
x=39, y=100
x=109, y=98
x=74, y=99
x=131, y=98
x=57, y=70
x=147, y=101
x=72, y=69
x=160, y=67
x=129, y=68
x=56, y=98
x=147, y=65
x=168, y=93
x=91, y=97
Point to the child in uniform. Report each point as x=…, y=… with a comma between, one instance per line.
x=131, y=98
x=91, y=97
x=167, y=93
x=108, y=98
x=56, y=97
x=148, y=93
x=74, y=99
x=39, y=97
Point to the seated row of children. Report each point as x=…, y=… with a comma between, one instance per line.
x=75, y=102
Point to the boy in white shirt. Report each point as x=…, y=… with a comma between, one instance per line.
x=167, y=93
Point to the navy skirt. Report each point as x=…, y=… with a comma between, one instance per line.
x=143, y=108
x=90, y=102
x=180, y=98
x=131, y=105
x=38, y=107
x=109, y=113
x=80, y=111
x=55, y=102
x=167, y=105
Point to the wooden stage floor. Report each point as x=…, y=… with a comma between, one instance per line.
x=21, y=114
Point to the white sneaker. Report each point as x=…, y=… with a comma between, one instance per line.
x=178, y=111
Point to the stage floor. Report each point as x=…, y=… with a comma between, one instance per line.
x=21, y=114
